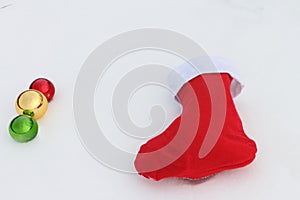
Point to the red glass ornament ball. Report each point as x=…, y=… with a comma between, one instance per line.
x=44, y=86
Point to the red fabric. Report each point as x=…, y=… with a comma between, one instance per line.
x=183, y=153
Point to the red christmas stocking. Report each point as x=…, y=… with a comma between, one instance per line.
x=206, y=139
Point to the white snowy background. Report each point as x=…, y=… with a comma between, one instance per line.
x=53, y=39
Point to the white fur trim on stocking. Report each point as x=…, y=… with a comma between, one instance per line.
x=204, y=65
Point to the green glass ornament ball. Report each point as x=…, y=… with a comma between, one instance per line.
x=23, y=128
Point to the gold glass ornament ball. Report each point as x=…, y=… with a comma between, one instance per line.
x=32, y=103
